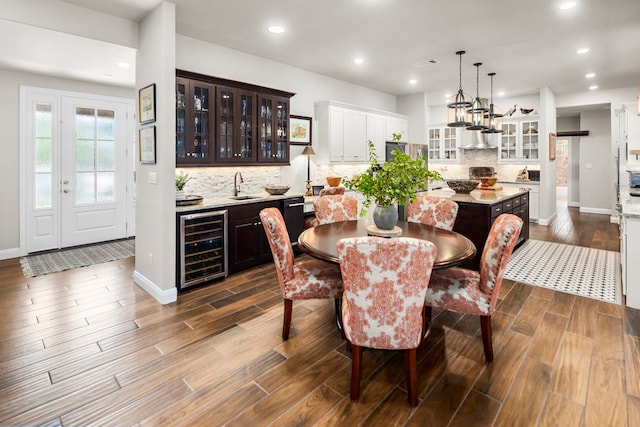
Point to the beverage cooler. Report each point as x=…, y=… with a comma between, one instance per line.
x=202, y=248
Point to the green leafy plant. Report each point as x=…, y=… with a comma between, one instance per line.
x=395, y=181
x=396, y=136
x=181, y=180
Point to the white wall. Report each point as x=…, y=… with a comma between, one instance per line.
x=10, y=82
x=573, y=166
x=415, y=107
x=547, y=167
x=595, y=165
x=155, y=204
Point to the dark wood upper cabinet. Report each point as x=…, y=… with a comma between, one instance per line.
x=222, y=122
x=194, y=118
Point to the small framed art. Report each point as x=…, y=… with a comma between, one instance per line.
x=300, y=130
x=148, y=145
x=147, y=104
x=552, y=146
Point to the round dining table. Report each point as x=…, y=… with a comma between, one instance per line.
x=320, y=241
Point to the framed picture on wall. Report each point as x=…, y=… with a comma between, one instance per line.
x=300, y=130
x=148, y=145
x=147, y=104
x=552, y=146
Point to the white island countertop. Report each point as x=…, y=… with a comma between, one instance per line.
x=487, y=197
x=630, y=206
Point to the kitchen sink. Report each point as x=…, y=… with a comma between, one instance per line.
x=244, y=197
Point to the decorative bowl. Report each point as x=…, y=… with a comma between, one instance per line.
x=276, y=190
x=334, y=181
x=490, y=180
x=463, y=186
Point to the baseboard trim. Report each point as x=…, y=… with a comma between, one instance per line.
x=9, y=253
x=599, y=211
x=163, y=296
x=613, y=219
x=547, y=221
x=573, y=204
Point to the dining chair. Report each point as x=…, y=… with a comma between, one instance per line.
x=434, y=211
x=332, y=191
x=385, y=283
x=472, y=292
x=301, y=280
x=336, y=208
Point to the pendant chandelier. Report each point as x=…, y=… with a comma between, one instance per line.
x=492, y=118
x=458, y=109
x=478, y=106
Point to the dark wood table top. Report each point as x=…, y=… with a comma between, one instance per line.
x=320, y=241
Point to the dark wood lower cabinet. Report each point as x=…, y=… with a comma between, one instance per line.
x=248, y=245
x=475, y=220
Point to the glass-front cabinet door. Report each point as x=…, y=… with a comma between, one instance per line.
x=508, y=138
x=434, y=143
x=443, y=144
x=530, y=140
x=519, y=141
x=235, y=140
x=193, y=121
x=273, y=129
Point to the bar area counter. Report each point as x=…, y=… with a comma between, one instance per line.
x=480, y=208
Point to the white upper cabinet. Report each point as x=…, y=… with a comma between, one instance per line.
x=376, y=133
x=343, y=132
x=398, y=126
x=519, y=141
x=443, y=144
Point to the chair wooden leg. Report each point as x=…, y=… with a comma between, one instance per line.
x=485, y=326
x=356, y=369
x=286, y=323
x=411, y=376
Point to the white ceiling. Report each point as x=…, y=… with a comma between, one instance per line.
x=529, y=44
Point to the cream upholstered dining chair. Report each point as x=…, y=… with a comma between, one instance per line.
x=471, y=292
x=336, y=208
x=332, y=191
x=385, y=283
x=434, y=211
x=308, y=279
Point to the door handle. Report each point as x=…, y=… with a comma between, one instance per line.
x=66, y=181
x=65, y=191
x=293, y=205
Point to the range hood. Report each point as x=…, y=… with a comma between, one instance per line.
x=480, y=141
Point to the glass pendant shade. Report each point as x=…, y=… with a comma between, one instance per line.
x=478, y=106
x=493, y=117
x=458, y=109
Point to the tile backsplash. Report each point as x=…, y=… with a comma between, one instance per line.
x=211, y=182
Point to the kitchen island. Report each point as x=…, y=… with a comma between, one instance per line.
x=480, y=208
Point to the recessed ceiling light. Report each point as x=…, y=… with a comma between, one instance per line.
x=107, y=76
x=358, y=60
x=594, y=87
x=590, y=75
x=447, y=95
x=276, y=29
x=501, y=93
x=567, y=5
x=582, y=50
x=413, y=81
x=123, y=64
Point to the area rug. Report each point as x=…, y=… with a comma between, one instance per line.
x=577, y=270
x=82, y=256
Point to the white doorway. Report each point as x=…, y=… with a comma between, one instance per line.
x=76, y=180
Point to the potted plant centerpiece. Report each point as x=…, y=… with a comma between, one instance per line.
x=392, y=183
x=181, y=180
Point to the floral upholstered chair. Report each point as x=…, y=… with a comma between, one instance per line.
x=471, y=292
x=330, y=209
x=433, y=211
x=385, y=281
x=308, y=279
x=332, y=191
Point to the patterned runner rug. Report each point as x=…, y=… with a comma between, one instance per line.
x=577, y=270
x=65, y=259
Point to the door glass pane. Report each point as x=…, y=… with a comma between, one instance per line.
x=105, y=158
x=43, y=155
x=105, y=185
x=43, y=121
x=85, y=188
x=43, y=190
x=106, y=121
x=85, y=155
x=85, y=123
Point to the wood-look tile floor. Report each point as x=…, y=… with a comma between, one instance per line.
x=88, y=347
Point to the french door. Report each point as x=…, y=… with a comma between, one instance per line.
x=76, y=170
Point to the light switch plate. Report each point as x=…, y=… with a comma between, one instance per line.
x=153, y=178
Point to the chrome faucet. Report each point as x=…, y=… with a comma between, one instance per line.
x=236, y=185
